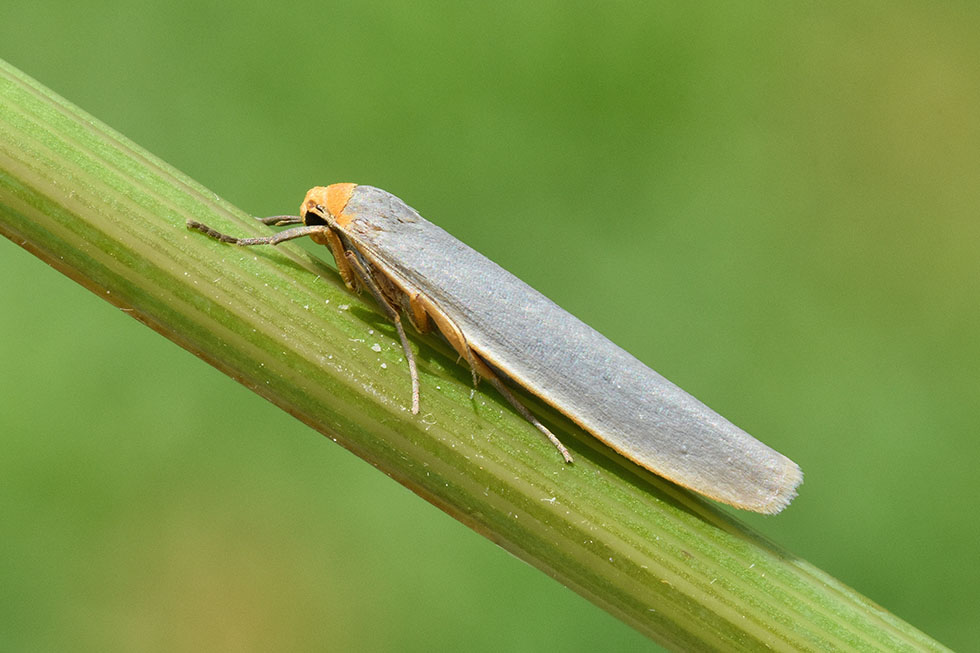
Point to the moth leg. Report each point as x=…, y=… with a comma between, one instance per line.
x=281, y=220
x=415, y=310
x=529, y=416
x=351, y=270
x=332, y=240
x=364, y=278
x=458, y=341
x=455, y=337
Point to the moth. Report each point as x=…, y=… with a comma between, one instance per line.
x=504, y=328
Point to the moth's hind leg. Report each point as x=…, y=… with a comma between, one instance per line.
x=479, y=368
x=529, y=416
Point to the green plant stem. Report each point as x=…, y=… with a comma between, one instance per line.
x=111, y=216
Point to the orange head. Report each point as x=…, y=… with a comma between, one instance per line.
x=321, y=201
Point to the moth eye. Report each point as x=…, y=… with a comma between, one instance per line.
x=314, y=217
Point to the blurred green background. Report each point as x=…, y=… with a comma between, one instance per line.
x=775, y=207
